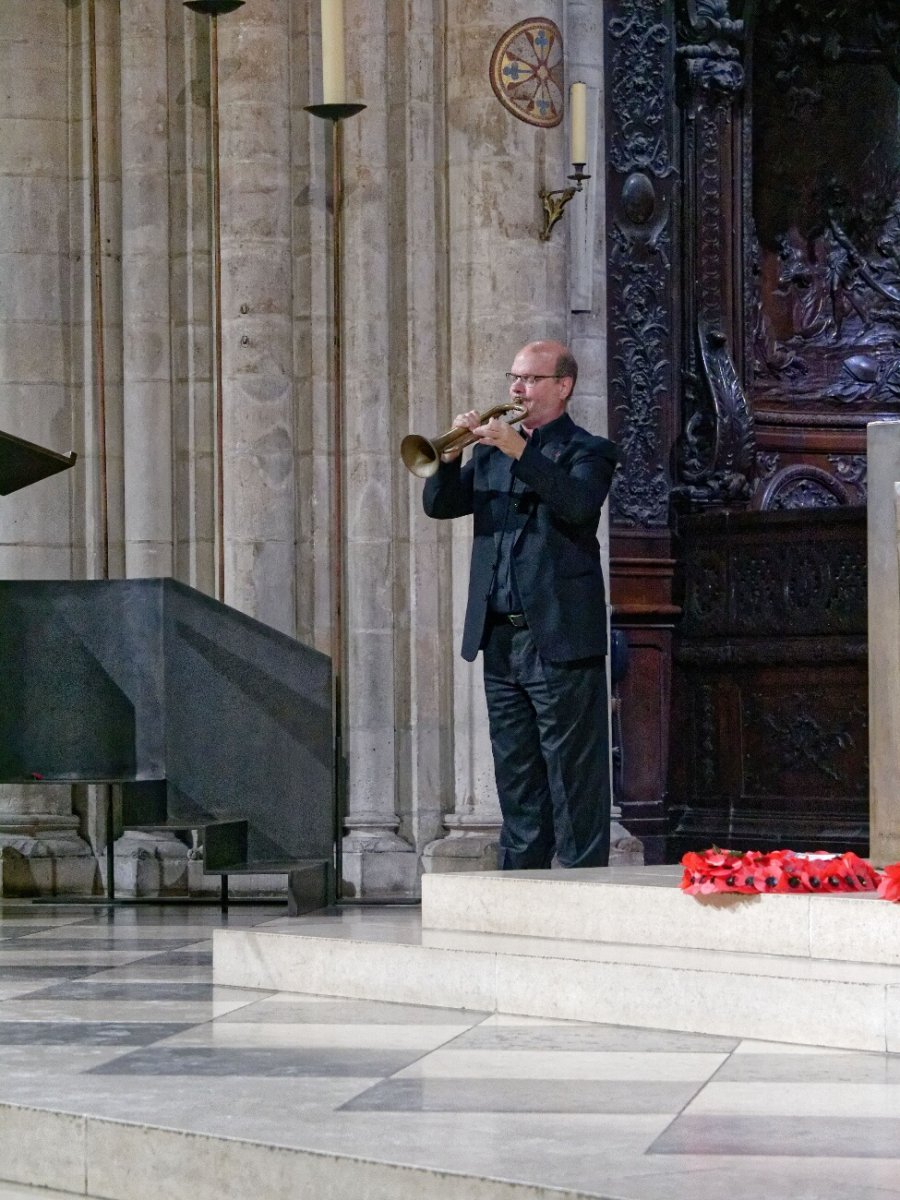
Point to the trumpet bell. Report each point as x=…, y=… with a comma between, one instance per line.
x=419, y=455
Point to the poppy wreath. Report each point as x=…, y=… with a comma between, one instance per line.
x=715, y=871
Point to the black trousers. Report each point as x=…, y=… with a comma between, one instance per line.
x=549, y=736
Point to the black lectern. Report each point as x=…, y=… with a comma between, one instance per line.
x=23, y=463
x=207, y=719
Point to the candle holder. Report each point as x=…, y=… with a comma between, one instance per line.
x=555, y=202
x=213, y=8
x=336, y=112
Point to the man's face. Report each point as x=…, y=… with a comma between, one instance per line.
x=545, y=399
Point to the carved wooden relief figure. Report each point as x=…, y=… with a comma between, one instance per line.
x=823, y=314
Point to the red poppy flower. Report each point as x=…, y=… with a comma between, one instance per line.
x=864, y=875
x=811, y=875
x=709, y=872
x=772, y=877
x=889, y=886
x=692, y=861
x=716, y=871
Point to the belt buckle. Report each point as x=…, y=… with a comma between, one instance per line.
x=517, y=620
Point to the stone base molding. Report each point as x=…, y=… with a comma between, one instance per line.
x=376, y=861
x=149, y=864
x=625, y=850
x=49, y=859
x=470, y=845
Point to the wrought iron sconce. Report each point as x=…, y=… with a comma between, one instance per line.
x=555, y=202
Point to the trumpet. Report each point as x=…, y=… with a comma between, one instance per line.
x=422, y=455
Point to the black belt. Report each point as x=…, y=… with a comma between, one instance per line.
x=519, y=620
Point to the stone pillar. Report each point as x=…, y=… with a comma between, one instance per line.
x=35, y=297
x=40, y=850
x=310, y=187
x=423, y=628
x=146, y=864
x=884, y=641
x=257, y=357
x=147, y=350
x=193, y=483
x=376, y=859
x=505, y=288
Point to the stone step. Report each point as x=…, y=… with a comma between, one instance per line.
x=96, y=1156
x=643, y=906
x=623, y=946
x=782, y=998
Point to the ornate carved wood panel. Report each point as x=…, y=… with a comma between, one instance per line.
x=642, y=303
x=822, y=239
x=717, y=446
x=771, y=683
x=754, y=328
x=641, y=175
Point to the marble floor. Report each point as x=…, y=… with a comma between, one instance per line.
x=112, y=1013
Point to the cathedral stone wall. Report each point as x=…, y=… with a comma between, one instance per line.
x=108, y=335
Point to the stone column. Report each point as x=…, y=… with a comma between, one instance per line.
x=311, y=255
x=421, y=385
x=35, y=291
x=258, y=367
x=40, y=850
x=193, y=484
x=884, y=641
x=376, y=859
x=506, y=288
x=147, y=864
x=146, y=238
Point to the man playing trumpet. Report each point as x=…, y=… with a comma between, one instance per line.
x=537, y=610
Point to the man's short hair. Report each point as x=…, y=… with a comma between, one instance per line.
x=567, y=368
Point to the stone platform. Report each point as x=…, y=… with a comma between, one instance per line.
x=125, y=1074
x=622, y=946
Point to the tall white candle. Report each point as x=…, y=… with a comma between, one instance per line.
x=334, y=86
x=577, y=120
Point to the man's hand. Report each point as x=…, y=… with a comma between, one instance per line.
x=501, y=434
x=468, y=420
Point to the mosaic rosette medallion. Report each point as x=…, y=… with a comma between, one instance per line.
x=527, y=72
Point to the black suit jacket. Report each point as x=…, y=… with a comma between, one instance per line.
x=560, y=488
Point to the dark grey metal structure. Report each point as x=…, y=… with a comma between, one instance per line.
x=209, y=719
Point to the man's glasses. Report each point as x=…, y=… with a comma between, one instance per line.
x=528, y=380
